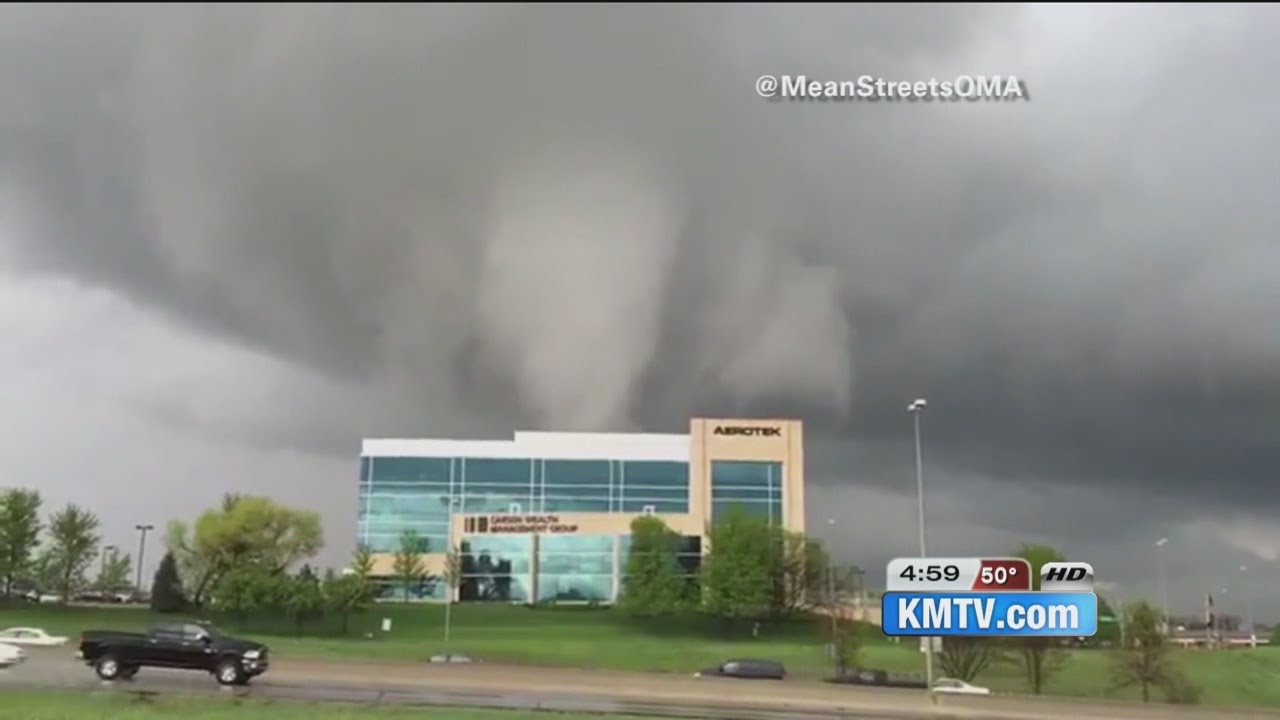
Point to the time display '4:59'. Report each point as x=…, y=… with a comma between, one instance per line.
x=931, y=573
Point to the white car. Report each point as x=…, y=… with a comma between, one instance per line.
x=951, y=686
x=11, y=655
x=31, y=637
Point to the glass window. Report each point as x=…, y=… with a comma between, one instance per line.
x=405, y=494
x=576, y=563
x=745, y=493
x=594, y=473
x=634, y=492
x=575, y=588
x=656, y=473
x=741, y=473
x=659, y=506
x=482, y=554
x=567, y=503
x=495, y=501
x=495, y=568
x=414, y=471
x=485, y=472
x=575, y=543
x=389, y=542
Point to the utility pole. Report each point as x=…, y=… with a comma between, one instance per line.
x=102, y=566
x=915, y=408
x=142, y=550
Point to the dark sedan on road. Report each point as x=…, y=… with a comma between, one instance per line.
x=747, y=669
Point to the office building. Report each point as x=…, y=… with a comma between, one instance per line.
x=546, y=516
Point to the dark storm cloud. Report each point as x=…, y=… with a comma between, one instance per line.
x=585, y=218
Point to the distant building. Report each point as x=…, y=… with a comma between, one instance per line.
x=546, y=516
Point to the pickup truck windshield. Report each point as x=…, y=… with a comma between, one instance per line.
x=186, y=630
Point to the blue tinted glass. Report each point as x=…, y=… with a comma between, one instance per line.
x=495, y=568
x=745, y=474
x=742, y=493
x=389, y=542
x=478, y=501
x=575, y=588
x=482, y=553
x=410, y=471
x=575, y=543
x=551, y=503
x=575, y=473
x=405, y=493
x=655, y=473
x=505, y=474
x=659, y=506
x=632, y=492
x=576, y=563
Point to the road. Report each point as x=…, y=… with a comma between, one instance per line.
x=499, y=686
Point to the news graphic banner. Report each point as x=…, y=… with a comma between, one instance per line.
x=988, y=597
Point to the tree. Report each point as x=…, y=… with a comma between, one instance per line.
x=166, y=587
x=302, y=599
x=452, y=578
x=737, y=570
x=246, y=531
x=1144, y=660
x=653, y=584
x=114, y=576
x=73, y=545
x=1039, y=657
x=409, y=566
x=346, y=594
x=965, y=658
x=362, y=561
x=799, y=573
x=19, y=536
x=846, y=646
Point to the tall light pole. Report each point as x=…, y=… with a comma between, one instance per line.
x=142, y=550
x=1248, y=604
x=915, y=408
x=102, y=566
x=1164, y=588
x=831, y=597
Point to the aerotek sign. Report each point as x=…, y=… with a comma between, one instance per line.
x=747, y=431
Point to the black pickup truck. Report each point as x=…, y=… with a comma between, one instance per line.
x=182, y=646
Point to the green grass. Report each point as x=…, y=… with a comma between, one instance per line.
x=601, y=638
x=576, y=637
x=128, y=706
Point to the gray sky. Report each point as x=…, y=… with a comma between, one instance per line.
x=233, y=241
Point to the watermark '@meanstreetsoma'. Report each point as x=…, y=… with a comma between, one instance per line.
x=971, y=88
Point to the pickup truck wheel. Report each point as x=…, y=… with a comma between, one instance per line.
x=128, y=673
x=229, y=672
x=108, y=667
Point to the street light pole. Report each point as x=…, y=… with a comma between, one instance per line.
x=102, y=565
x=831, y=607
x=1248, y=604
x=916, y=406
x=1160, y=579
x=142, y=550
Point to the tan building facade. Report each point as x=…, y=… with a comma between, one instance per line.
x=546, y=516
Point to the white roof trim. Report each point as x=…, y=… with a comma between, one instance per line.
x=541, y=445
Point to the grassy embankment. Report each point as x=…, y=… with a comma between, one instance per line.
x=128, y=706
x=601, y=638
